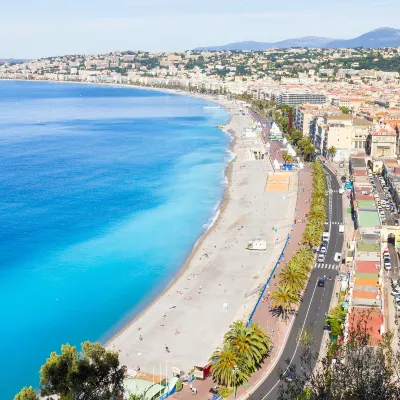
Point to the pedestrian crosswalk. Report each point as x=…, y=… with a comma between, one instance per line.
x=336, y=223
x=326, y=266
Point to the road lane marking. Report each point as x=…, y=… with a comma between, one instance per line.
x=297, y=345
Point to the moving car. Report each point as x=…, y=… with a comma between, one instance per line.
x=337, y=257
x=321, y=282
x=341, y=228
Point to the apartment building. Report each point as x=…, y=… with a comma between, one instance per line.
x=360, y=135
x=354, y=103
x=304, y=115
x=348, y=135
x=381, y=141
x=295, y=98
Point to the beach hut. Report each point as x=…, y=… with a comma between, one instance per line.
x=202, y=372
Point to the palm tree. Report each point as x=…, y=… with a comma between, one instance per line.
x=311, y=235
x=247, y=344
x=287, y=158
x=332, y=151
x=293, y=276
x=262, y=336
x=283, y=298
x=224, y=361
x=318, y=212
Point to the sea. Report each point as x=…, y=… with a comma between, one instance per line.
x=104, y=191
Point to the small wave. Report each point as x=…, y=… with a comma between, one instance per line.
x=229, y=134
x=213, y=218
x=231, y=155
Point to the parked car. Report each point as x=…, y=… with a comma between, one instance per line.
x=387, y=265
x=322, y=250
x=396, y=291
x=321, y=258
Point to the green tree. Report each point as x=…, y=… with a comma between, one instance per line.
x=293, y=276
x=344, y=110
x=296, y=135
x=335, y=319
x=93, y=374
x=249, y=343
x=332, y=151
x=224, y=361
x=287, y=158
x=362, y=369
x=284, y=298
x=27, y=393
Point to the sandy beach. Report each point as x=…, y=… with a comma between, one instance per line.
x=183, y=326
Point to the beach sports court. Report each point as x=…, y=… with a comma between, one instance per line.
x=279, y=182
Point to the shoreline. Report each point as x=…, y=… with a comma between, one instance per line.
x=209, y=277
x=184, y=267
x=221, y=205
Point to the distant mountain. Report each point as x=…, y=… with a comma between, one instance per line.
x=382, y=37
x=13, y=60
x=308, y=41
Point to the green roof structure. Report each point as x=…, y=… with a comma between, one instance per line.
x=368, y=218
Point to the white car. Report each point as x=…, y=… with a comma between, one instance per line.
x=383, y=202
x=321, y=258
x=388, y=267
x=376, y=195
x=322, y=250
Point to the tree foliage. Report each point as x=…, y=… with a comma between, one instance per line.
x=244, y=347
x=94, y=373
x=27, y=393
x=355, y=370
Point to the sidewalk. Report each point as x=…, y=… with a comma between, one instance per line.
x=274, y=325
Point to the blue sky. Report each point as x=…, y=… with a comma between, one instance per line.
x=38, y=28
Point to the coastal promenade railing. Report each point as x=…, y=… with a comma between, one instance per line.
x=250, y=320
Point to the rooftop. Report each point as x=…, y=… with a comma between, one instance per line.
x=374, y=320
x=367, y=267
x=371, y=282
x=358, y=162
x=368, y=219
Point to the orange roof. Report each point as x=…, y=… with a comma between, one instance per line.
x=383, y=132
x=366, y=282
x=359, y=294
x=367, y=267
x=374, y=322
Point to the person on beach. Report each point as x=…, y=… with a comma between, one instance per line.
x=140, y=337
x=167, y=349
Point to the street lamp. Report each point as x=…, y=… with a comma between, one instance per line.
x=235, y=371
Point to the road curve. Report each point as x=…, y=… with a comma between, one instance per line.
x=316, y=300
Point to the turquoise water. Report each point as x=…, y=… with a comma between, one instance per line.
x=104, y=191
